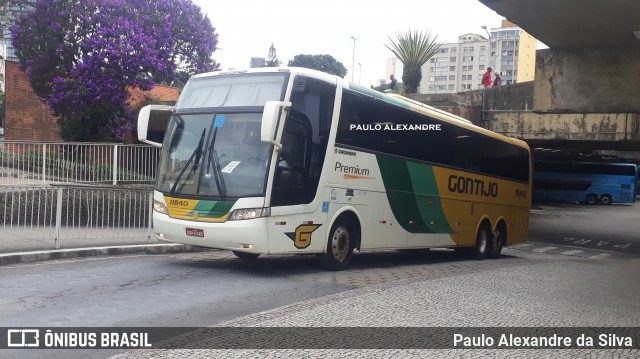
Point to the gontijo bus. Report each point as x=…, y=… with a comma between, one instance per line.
x=295, y=161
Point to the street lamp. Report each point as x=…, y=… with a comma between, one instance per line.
x=353, y=58
x=488, y=37
x=360, y=73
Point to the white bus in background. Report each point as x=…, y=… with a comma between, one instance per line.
x=296, y=161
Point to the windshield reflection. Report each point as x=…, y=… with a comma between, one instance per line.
x=214, y=155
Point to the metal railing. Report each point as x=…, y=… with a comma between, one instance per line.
x=44, y=163
x=59, y=213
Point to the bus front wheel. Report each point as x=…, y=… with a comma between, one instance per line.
x=245, y=255
x=591, y=199
x=605, y=199
x=339, y=248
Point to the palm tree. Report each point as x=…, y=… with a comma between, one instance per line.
x=414, y=49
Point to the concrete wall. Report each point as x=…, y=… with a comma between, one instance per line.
x=509, y=110
x=475, y=105
x=588, y=80
x=515, y=97
x=578, y=126
x=466, y=104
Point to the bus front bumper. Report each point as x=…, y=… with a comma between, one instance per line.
x=246, y=235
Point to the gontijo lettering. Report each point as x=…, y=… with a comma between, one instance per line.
x=474, y=186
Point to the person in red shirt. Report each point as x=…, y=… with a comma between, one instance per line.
x=486, y=78
x=498, y=80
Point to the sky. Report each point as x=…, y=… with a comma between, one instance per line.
x=247, y=28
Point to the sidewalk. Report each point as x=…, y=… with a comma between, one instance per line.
x=24, y=248
x=24, y=241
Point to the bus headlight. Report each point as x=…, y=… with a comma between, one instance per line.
x=159, y=207
x=248, y=213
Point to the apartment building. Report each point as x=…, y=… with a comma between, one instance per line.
x=459, y=66
x=9, y=13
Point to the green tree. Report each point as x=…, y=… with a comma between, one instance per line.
x=414, y=49
x=83, y=62
x=324, y=63
x=272, y=59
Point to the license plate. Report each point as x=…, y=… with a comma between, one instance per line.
x=195, y=232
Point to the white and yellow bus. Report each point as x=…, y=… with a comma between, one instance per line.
x=296, y=161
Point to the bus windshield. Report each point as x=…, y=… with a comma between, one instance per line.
x=214, y=155
x=244, y=90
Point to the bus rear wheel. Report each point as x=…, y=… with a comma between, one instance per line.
x=481, y=249
x=591, y=199
x=245, y=255
x=339, y=248
x=497, y=241
x=605, y=199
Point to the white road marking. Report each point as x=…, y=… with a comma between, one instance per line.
x=524, y=245
x=626, y=245
x=601, y=256
x=572, y=252
x=544, y=249
x=582, y=241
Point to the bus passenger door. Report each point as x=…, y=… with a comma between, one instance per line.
x=298, y=216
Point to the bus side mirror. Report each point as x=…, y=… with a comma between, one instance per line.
x=152, y=123
x=270, y=119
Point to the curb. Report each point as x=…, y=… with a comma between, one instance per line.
x=36, y=256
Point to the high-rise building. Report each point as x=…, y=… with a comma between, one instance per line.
x=394, y=67
x=459, y=66
x=10, y=11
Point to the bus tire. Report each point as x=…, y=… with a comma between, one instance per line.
x=339, y=247
x=481, y=247
x=246, y=255
x=498, y=239
x=605, y=199
x=591, y=199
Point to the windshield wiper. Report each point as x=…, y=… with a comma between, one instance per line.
x=197, y=154
x=212, y=156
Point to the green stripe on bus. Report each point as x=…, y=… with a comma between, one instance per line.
x=413, y=195
x=213, y=209
x=426, y=190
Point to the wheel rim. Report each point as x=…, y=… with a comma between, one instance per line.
x=340, y=244
x=482, y=243
x=605, y=200
x=591, y=199
x=497, y=240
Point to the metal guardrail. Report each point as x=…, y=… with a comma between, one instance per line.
x=57, y=213
x=44, y=163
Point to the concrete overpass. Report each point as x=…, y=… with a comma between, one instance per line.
x=586, y=92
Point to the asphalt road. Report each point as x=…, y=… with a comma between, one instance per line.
x=580, y=269
x=611, y=228
x=379, y=289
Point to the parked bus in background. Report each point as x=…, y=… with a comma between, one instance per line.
x=584, y=182
x=296, y=161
